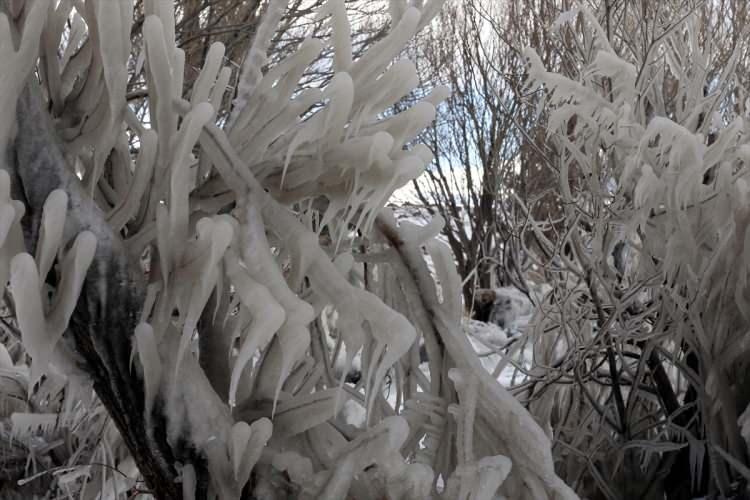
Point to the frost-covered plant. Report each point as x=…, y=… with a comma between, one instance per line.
x=53, y=440
x=193, y=252
x=648, y=319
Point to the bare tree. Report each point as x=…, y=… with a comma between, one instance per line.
x=484, y=137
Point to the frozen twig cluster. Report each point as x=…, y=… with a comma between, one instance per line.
x=651, y=292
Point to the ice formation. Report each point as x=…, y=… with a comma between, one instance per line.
x=228, y=345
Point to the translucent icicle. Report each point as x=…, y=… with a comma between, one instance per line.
x=207, y=77
x=51, y=230
x=342, y=34
x=148, y=354
x=267, y=316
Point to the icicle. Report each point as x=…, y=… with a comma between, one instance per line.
x=128, y=207
x=161, y=75
x=17, y=66
x=163, y=10
x=75, y=37
x=303, y=412
x=262, y=266
x=404, y=125
x=286, y=74
x=164, y=244
x=74, y=267
x=360, y=153
x=342, y=33
x=393, y=333
x=262, y=105
x=219, y=232
x=379, y=55
x=251, y=74
x=238, y=445
x=396, y=9
x=450, y=281
x=247, y=445
x=467, y=386
x=189, y=482
x=6, y=362
x=7, y=220
x=207, y=77
x=220, y=88
x=25, y=286
x=113, y=22
x=293, y=340
x=267, y=314
x=11, y=236
x=178, y=72
x=437, y=95
x=51, y=230
x=341, y=93
x=379, y=446
x=327, y=125
x=56, y=22
x=179, y=206
x=417, y=235
x=148, y=354
x=40, y=334
x=647, y=186
x=379, y=95
x=261, y=138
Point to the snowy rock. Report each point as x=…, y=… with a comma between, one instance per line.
x=509, y=306
x=506, y=307
x=489, y=334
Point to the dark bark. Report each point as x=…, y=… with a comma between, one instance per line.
x=675, y=485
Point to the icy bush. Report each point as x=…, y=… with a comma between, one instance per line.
x=648, y=316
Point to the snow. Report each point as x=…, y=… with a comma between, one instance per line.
x=485, y=335
x=491, y=344
x=354, y=413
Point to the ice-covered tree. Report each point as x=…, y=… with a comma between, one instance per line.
x=190, y=262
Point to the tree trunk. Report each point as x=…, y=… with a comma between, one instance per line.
x=109, y=307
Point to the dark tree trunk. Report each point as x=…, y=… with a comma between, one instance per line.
x=108, y=309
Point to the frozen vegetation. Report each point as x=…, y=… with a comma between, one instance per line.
x=212, y=364
x=206, y=294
